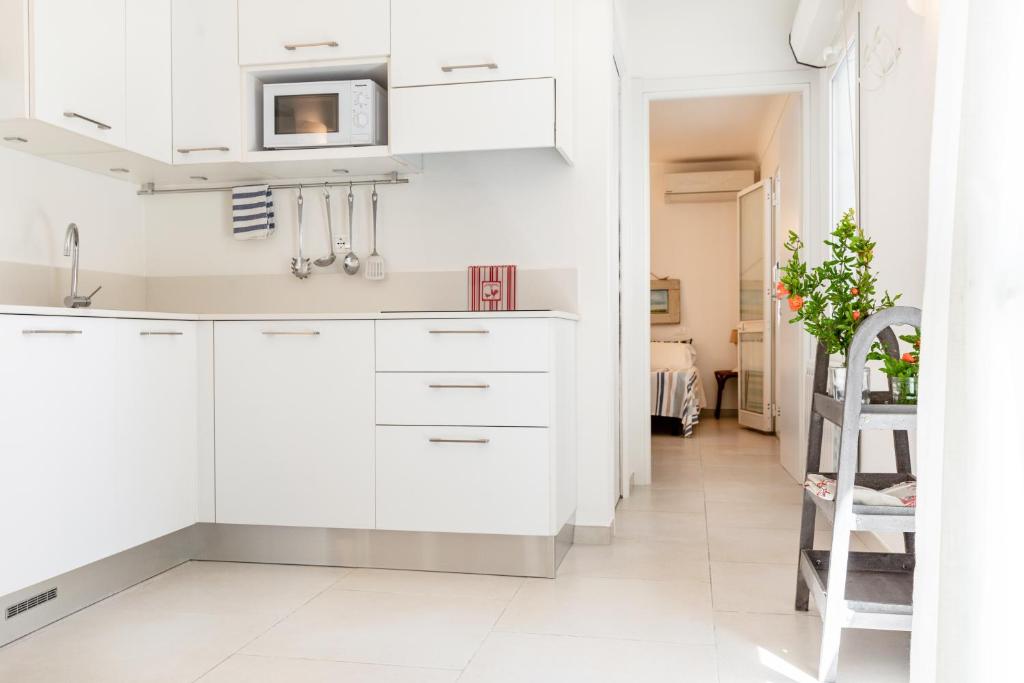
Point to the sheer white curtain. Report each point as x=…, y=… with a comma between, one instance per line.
x=969, y=596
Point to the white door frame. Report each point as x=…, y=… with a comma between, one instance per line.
x=636, y=247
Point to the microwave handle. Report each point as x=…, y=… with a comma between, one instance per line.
x=186, y=150
x=325, y=43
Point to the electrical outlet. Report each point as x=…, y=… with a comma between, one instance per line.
x=340, y=244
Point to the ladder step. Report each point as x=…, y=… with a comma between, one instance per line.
x=872, y=415
x=871, y=517
x=879, y=587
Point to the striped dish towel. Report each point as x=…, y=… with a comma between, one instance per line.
x=252, y=212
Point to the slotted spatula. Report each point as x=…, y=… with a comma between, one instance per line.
x=375, y=262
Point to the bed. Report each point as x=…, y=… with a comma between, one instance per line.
x=677, y=394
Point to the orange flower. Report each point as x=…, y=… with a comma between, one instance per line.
x=908, y=358
x=854, y=291
x=780, y=290
x=796, y=302
x=856, y=315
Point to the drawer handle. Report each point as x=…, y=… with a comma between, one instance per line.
x=188, y=150
x=51, y=332
x=307, y=333
x=161, y=334
x=460, y=331
x=486, y=65
x=325, y=43
x=436, y=440
x=459, y=386
x=76, y=115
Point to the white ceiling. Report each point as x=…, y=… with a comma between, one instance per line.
x=713, y=128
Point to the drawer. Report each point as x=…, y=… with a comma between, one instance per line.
x=488, y=480
x=272, y=32
x=463, y=345
x=473, y=117
x=498, y=399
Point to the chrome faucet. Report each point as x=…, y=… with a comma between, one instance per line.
x=71, y=249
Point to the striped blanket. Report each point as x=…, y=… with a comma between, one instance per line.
x=678, y=394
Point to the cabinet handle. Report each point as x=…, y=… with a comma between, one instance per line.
x=459, y=386
x=161, y=334
x=486, y=65
x=76, y=115
x=308, y=333
x=187, y=150
x=436, y=440
x=324, y=43
x=460, y=331
x=51, y=332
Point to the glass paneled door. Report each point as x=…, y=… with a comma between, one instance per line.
x=755, y=327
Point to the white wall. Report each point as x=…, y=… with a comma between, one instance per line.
x=696, y=244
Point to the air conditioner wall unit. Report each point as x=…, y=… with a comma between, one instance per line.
x=706, y=186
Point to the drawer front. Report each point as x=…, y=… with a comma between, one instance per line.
x=465, y=345
x=460, y=41
x=272, y=32
x=488, y=480
x=473, y=117
x=496, y=399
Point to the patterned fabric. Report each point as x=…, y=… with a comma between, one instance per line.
x=903, y=494
x=252, y=212
x=678, y=394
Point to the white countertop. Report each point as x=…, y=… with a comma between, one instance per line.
x=377, y=315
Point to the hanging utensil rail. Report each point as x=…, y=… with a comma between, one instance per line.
x=150, y=188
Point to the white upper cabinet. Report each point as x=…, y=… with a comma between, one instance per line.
x=79, y=66
x=274, y=32
x=148, y=78
x=206, y=81
x=459, y=41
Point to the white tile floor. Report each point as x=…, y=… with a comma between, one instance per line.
x=697, y=587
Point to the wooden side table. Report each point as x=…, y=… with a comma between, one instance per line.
x=721, y=377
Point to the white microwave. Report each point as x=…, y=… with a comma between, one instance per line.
x=324, y=114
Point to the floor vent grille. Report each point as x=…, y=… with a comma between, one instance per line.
x=34, y=601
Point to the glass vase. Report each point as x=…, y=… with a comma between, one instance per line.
x=837, y=383
x=904, y=390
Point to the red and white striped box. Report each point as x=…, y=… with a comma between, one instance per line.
x=492, y=288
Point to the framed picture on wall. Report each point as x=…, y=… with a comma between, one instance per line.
x=665, y=302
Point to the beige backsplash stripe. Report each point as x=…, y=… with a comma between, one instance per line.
x=23, y=284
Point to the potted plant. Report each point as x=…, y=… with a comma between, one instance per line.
x=833, y=298
x=902, y=371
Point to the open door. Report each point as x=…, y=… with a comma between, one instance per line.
x=756, y=409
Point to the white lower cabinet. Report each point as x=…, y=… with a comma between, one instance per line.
x=487, y=480
x=294, y=423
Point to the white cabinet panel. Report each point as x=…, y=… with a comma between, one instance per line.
x=57, y=406
x=489, y=480
x=472, y=345
x=504, y=399
x=473, y=117
x=156, y=421
x=459, y=41
x=79, y=66
x=271, y=32
x=294, y=423
x=206, y=81
x=148, y=78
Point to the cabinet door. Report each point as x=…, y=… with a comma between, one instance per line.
x=294, y=423
x=473, y=117
x=206, y=81
x=271, y=32
x=148, y=78
x=459, y=41
x=79, y=66
x=156, y=418
x=59, y=510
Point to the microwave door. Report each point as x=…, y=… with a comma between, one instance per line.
x=308, y=119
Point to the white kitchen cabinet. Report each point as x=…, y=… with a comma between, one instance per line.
x=148, y=78
x=460, y=41
x=206, y=82
x=502, y=399
x=487, y=480
x=156, y=420
x=78, y=66
x=271, y=32
x=294, y=423
x=58, y=464
x=464, y=345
